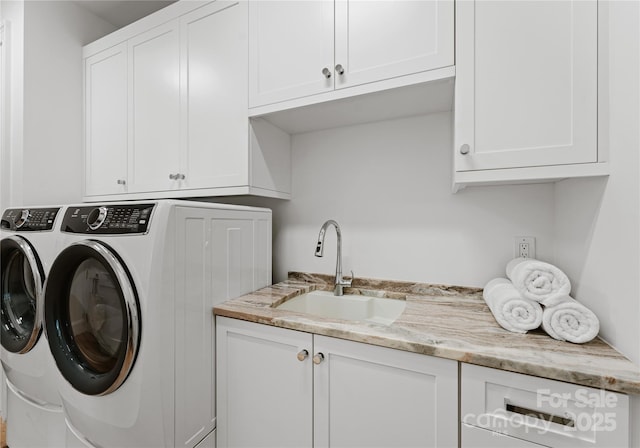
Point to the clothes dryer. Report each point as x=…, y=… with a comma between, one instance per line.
x=34, y=415
x=128, y=315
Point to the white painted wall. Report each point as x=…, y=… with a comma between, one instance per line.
x=597, y=230
x=46, y=98
x=388, y=186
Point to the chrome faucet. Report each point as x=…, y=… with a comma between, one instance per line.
x=340, y=282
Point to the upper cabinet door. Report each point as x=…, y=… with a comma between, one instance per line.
x=106, y=122
x=154, y=108
x=290, y=46
x=378, y=40
x=214, y=98
x=526, y=83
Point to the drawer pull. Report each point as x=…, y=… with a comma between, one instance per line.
x=540, y=415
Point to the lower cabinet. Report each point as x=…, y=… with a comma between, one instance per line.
x=506, y=409
x=285, y=388
x=473, y=437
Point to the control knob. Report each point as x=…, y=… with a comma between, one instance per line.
x=23, y=218
x=96, y=217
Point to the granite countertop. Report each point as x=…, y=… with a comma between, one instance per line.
x=444, y=321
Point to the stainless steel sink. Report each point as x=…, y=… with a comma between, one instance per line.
x=351, y=307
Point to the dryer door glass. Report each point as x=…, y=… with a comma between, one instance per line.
x=92, y=317
x=22, y=277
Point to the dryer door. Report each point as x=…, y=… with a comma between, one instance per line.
x=92, y=317
x=22, y=280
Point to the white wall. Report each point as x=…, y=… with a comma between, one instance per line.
x=46, y=98
x=598, y=220
x=388, y=186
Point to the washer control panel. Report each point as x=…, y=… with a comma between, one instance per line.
x=108, y=219
x=29, y=219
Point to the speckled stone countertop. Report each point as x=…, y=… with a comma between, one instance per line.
x=447, y=322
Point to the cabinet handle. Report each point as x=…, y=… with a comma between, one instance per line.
x=302, y=355
x=326, y=72
x=177, y=176
x=121, y=182
x=318, y=358
x=340, y=69
x=464, y=149
x=565, y=421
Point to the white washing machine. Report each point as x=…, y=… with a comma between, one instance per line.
x=34, y=415
x=128, y=315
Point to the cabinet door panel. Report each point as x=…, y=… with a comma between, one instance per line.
x=106, y=122
x=378, y=397
x=290, y=43
x=265, y=394
x=215, y=96
x=377, y=40
x=526, y=83
x=154, y=108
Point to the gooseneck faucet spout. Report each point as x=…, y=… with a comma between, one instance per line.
x=340, y=282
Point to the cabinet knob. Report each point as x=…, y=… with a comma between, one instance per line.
x=121, y=182
x=318, y=358
x=464, y=149
x=340, y=69
x=326, y=72
x=302, y=355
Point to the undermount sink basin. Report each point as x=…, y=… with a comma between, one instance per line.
x=351, y=307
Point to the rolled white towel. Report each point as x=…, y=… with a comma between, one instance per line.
x=537, y=280
x=569, y=320
x=512, y=311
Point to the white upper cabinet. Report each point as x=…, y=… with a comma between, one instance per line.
x=378, y=40
x=154, y=59
x=107, y=125
x=214, y=96
x=526, y=93
x=290, y=44
x=176, y=86
x=304, y=48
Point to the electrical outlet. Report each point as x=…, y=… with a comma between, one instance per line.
x=525, y=247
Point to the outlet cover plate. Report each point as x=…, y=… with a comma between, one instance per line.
x=525, y=246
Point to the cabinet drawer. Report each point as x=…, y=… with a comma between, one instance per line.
x=472, y=437
x=542, y=411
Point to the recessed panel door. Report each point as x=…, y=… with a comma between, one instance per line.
x=378, y=40
x=290, y=49
x=154, y=109
x=526, y=84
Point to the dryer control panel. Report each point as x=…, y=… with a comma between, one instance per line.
x=111, y=219
x=29, y=219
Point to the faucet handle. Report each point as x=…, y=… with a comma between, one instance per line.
x=348, y=282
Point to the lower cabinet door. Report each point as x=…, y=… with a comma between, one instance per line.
x=264, y=388
x=370, y=396
x=473, y=437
